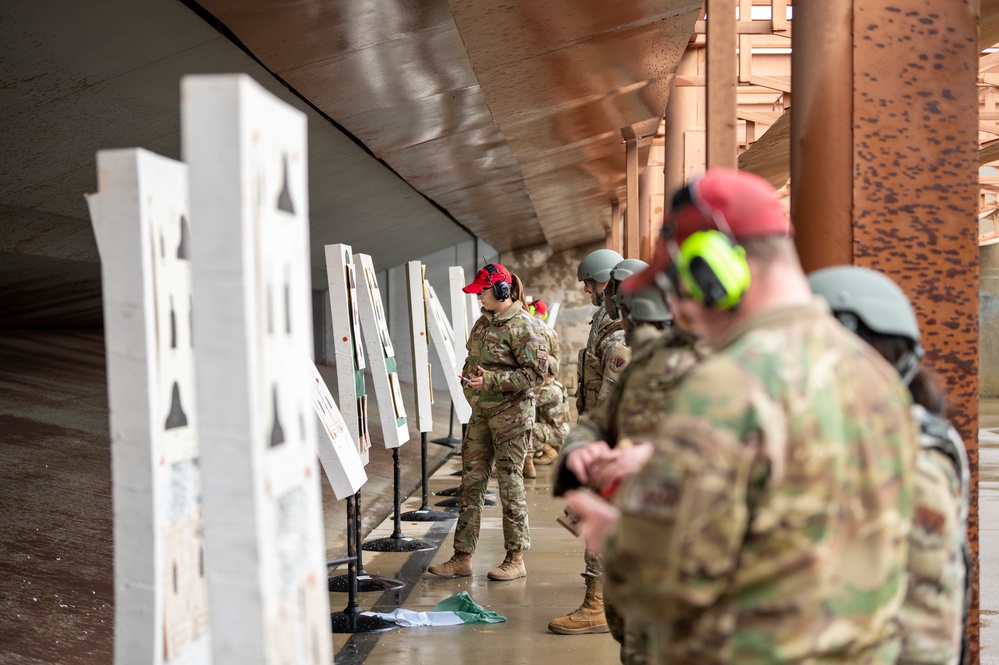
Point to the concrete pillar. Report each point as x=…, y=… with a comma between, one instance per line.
x=894, y=84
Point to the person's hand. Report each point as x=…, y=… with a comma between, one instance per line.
x=611, y=469
x=596, y=517
x=581, y=460
x=477, y=379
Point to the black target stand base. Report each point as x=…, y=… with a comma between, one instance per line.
x=363, y=581
x=425, y=513
x=350, y=620
x=397, y=542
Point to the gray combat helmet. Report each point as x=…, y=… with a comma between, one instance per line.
x=597, y=265
x=622, y=271
x=856, y=293
x=626, y=268
x=647, y=305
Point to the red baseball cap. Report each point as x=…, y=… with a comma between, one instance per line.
x=485, y=278
x=540, y=308
x=737, y=203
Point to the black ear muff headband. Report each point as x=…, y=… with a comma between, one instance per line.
x=501, y=288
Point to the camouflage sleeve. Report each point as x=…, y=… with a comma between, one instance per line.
x=616, y=356
x=690, y=499
x=531, y=352
x=594, y=425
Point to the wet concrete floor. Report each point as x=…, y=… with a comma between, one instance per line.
x=56, y=590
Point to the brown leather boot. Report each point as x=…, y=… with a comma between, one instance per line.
x=589, y=618
x=529, y=471
x=459, y=565
x=547, y=455
x=512, y=567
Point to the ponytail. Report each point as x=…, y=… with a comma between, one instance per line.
x=516, y=288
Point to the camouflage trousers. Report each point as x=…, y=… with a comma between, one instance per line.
x=504, y=439
x=552, y=423
x=632, y=637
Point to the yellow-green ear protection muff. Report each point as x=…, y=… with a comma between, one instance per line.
x=713, y=269
x=710, y=264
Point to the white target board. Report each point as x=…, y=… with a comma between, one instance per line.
x=421, y=346
x=337, y=452
x=553, y=315
x=247, y=155
x=459, y=317
x=440, y=333
x=142, y=225
x=348, y=350
x=381, y=355
x=472, y=314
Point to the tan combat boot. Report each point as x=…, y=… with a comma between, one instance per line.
x=547, y=455
x=511, y=568
x=589, y=618
x=459, y=565
x=529, y=471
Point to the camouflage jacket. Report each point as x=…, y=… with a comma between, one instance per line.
x=513, y=354
x=934, y=613
x=779, y=499
x=634, y=408
x=601, y=361
x=554, y=350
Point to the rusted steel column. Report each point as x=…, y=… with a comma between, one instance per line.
x=822, y=133
x=911, y=173
x=646, y=189
x=721, y=43
x=614, y=235
x=631, y=215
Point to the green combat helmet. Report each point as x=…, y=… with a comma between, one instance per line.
x=861, y=295
x=622, y=271
x=597, y=266
x=596, y=269
x=647, y=306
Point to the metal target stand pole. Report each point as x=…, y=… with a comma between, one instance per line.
x=449, y=440
x=398, y=542
x=365, y=581
x=350, y=619
x=425, y=513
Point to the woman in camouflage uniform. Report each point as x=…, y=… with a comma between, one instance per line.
x=507, y=361
x=935, y=610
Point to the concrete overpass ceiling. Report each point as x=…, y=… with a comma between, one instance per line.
x=470, y=102
x=566, y=81
x=78, y=77
x=505, y=119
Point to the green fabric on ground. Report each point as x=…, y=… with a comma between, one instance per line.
x=469, y=611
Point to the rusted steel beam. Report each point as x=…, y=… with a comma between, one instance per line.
x=632, y=225
x=822, y=133
x=884, y=163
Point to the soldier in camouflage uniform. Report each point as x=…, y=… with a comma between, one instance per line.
x=601, y=363
x=603, y=358
x=507, y=361
x=767, y=522
x=935, y=611
x=661, y=355
x=552, y=406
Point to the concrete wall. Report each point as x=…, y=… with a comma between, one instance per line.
x=988, y=323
